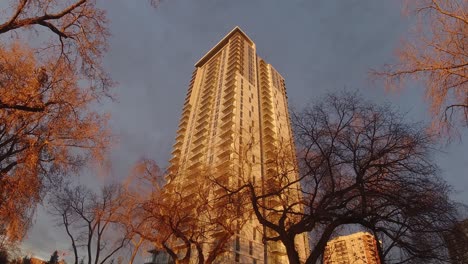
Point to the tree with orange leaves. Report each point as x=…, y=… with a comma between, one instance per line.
x=436, y=54
x=47, y=126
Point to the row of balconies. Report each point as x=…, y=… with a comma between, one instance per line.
x=198, y=133
x=230, y=75
x=205, y=103
x=211, y=74
x=227, y=140
x=207, y=90
x=230, y=93
x=230, y=79
x=233, y=60
x=205, y=106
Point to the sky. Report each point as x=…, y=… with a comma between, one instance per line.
x=317, y=46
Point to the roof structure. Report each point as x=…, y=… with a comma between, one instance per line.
x=221, y=44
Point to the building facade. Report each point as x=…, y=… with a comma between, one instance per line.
x=357, y=248
x=235, y=118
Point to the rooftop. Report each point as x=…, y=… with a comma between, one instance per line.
x=221, y=44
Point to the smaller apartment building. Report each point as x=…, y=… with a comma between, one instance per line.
x=357, y=248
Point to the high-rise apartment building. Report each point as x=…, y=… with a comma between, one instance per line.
x=235, y=101
x=357, y=248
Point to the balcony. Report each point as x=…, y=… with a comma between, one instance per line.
x=230, y=75
x=229, y=87
x=268, y=130
x=228, y=109
x=222, y=174
x=207, y=97
x=227, y=143
x=229, y=101
x=202, y=123
x=194, y=165
x=212, y=69
x=173, y=168
x=179, y=138
x=234, y=54
x=230, y=82
x=186, y=112
x=227, y=126
x=187, y=98
x=228, y=94
x=183, y=123
x=227, y=117
x=232, y=61
x=235, y=43
x=269, y=136
x=268, y=120
x=197, y=150
x=235, y=67
x=207, y=94
x=266, y=97
x=225, y=153
x=176, y=151
x=178, y=144
x=203, y=116
x=205, y=107
x=203, y=103
x=224, y=164
x=175, y=159
x=266, y=109
x=187, y=108
x=198, y=139
x=200, y=132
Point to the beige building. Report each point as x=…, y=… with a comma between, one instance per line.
x=235, y=114
x=357, y=248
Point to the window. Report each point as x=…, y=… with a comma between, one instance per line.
x=254, y=234
x=237, y=243
x=250, y=248
x=237, y=257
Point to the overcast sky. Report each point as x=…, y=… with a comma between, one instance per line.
x=317, y=46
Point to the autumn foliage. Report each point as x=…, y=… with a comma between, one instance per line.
x=48, y=127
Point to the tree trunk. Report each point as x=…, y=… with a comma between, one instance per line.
x=291, y=251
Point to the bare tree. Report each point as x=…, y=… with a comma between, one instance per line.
x=91, y=221
x=435, y=53
x=195, y=223
x=359, y=164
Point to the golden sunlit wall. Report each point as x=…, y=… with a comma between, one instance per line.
x=359, y=248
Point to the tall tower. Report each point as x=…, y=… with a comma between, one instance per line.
x=235, y=101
